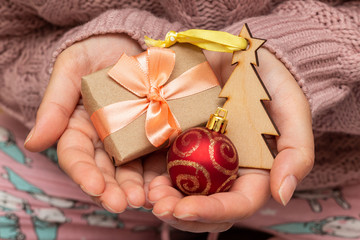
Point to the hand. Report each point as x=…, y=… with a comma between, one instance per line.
x=61, y=115
x=290, y=111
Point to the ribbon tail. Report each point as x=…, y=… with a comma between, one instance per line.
x=154, y=43
x=176, y=126
x=197, y=79
x=161, y=62
x=160, y=123
x=213, y=40
x=114, y=117
x=130, y=74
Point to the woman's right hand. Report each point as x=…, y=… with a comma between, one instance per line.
x=61, y=116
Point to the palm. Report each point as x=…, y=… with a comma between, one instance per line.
x=290, y=112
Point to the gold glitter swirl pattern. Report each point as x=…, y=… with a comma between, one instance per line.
x=229, y=147
x=185, y=142
x=231, y=178
x=226, y=144
x=187, y=177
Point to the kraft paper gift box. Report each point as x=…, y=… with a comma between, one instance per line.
x=99, y=91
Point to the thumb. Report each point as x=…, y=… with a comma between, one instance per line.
x=60, y=99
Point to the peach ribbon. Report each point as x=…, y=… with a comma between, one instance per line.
x=145, y=75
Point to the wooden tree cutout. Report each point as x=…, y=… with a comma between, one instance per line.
x=248, y=119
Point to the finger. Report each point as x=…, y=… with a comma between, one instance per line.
x=163, y=179
x=154, y=165
x=76, y=158
x=164, y=211
x=60, y=99
x=200, y=227
x=290, y=111
x=249, y=192
x=130, y=178
x=295, y=157
x=161, y=188
x=113, y=198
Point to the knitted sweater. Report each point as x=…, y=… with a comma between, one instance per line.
x=318, y=41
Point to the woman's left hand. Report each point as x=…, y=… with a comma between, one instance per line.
x=290, y=111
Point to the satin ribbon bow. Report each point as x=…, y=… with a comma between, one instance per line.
x=206, y=39
x=145, y=76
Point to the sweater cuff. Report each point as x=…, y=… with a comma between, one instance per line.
x=133, y=22
x=314, y=55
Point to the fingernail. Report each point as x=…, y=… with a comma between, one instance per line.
x=187, y=217
x=109, y=209
x=132, y=205
x=166, y=217
x=29, y=136
x=287, y=189
x=161, y=214
x=88, y=192
x=147, y=208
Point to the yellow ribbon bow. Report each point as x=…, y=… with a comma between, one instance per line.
x=206, y=39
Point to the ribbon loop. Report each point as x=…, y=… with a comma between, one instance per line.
x=160, y=65
x=206, y=39
x=145, y=75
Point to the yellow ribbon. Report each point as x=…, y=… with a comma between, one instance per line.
x=206, y=39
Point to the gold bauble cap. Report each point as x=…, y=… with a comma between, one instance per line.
x=217, y=121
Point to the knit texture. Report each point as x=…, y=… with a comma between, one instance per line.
x=318, y=41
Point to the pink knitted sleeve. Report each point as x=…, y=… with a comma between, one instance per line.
x=320, y=45
x=29, y=46
x=318, y=42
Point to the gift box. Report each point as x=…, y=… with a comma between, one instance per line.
x=138, y=105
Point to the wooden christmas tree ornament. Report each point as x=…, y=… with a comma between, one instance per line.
x=248, y=119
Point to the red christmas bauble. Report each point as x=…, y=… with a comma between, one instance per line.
x=202, y=161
